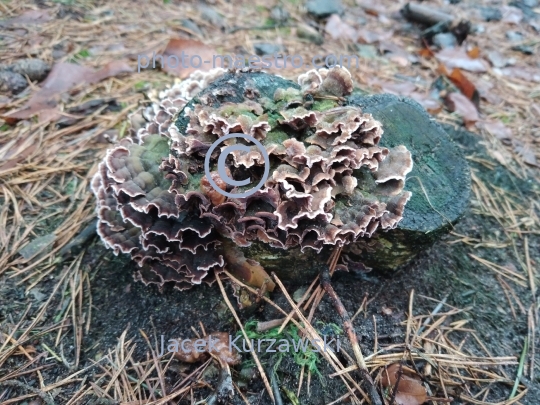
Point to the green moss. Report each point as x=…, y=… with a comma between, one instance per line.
x=323, y=105
x=276, y=135
x=307, y=358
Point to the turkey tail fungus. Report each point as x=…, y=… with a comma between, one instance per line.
x=330, y=182
x=340, y=173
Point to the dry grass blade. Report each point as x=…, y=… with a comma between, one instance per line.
x=255, y=357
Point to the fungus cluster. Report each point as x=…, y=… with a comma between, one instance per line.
x=330, y=182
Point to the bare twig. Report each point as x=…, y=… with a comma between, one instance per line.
x=324, y=276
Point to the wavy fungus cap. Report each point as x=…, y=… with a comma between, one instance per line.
x=330, y=182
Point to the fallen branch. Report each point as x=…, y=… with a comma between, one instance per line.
x=425, y=15
x=324, y=276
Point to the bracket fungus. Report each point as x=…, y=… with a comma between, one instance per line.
x=330, y=181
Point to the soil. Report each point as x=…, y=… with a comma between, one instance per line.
x=446, y=270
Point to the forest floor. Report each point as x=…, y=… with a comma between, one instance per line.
x=75, y=327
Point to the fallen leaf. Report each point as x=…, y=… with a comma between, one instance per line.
x=431, y=105
x=525, y=73
x=399, y=89
x=198, y=56
x=458, y=58
x=372, y=8
x=194, y=350
x=17, y=152
x=484, y=87
x=426, y=53
x=29, y=17
x=62, y=78
x=366, y=36
x=396, y=53
x=498, y=130
x=339, y=29
x=474, y=52
x=457, y=102
x=527, y=154
x=111, y=69
x=49, y=115
x=464, y=85
x=4, y=100
x=511, y=14
x=410, y=390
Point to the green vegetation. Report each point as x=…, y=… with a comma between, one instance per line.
x=308, y=358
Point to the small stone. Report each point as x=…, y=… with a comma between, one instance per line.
x=12, y=82
x=266, y=48
x=298, y=294
x=445, y=40
x=527, y=7
x=367, y=51
x=490, y=14
x=497, y=59
x=514, y=36
x=478, y=29
x=279, y=14
x=304, y=31
x=324, y=8
x=35, y=69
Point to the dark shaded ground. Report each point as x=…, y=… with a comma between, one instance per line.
x=119, y=303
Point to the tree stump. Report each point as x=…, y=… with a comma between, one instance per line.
x=440, y=181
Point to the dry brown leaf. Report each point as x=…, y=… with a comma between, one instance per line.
x=368, y=37
x=339, y=29
x=474, y=52
x=431, y=105
x=23, y=148
x=410, y=390
x=4, y=100
x=458, y=58
x=511, y=14
x=524, y=73
x=457, y=102
x=527, y=154
x=29, y=17
x=399, y=89
x=498, y=130
x=464, y=85
x=395, y=52
x=484, y=88
x=196, y=53
x=111, y=69
x=62, y=78
x=195, y=350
